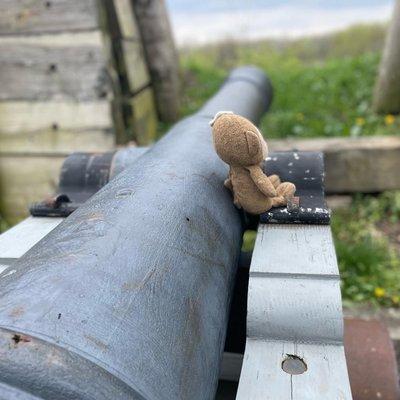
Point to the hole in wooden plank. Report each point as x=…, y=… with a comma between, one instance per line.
x=294, y=365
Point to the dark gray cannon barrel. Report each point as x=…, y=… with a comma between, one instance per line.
x=128, y=298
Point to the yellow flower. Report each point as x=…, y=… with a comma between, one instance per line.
x=379, y=292
x=300, y=116
x=389, y=119
x=396, y=299
x=360, y=121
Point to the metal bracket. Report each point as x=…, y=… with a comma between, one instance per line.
x=81, y=176
x=306, y=171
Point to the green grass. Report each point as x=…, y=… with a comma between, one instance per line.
x=368, y=257
x=323, y=88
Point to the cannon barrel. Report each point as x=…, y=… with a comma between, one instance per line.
x=128, y=297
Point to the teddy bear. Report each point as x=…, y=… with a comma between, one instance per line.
x=240, y=144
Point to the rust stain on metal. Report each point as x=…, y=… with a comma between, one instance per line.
x=19, y=338
x=97, y=342
x=139, y=285
x=95, y=216
x=17, y=312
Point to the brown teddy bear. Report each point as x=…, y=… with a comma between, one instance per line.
x=240, y=144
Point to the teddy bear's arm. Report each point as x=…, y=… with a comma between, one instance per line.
x=262, y=181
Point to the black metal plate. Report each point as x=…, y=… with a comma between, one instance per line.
x=82, y=175
x=306, y=171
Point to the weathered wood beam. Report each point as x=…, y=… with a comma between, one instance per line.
x=367, y=165
x=42, y=70
x=23, y=180
x=25, y=116
x=161, y=55
x=56, y=141
x=31, y=17
x=294, y=346
x=129, y=72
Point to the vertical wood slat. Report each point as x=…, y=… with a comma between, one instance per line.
x=134, y=112
x=161, y=55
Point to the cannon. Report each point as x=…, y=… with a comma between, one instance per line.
x=128, y=297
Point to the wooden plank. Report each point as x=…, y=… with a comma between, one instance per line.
x=59, y=39
x=262, y=377
x=144, y=118
x=368, y=165
x=137, y=119
x=24, y=180
x=57, y=141
x=126, y=19
x=15, y=242
x=161, y=56
x=133, y=65
x=39, y=70
x=25, y=116
x=29, y=16
x=314, y=243
x=294, y=310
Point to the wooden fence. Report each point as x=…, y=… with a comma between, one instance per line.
x=73, y=77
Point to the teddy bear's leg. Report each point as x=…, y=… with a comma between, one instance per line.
x=275, y=180
x=236, y=202
x=228, y=184
x=285, y=191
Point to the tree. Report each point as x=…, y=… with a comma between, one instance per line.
x=387, y=89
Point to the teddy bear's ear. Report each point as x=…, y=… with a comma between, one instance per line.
x=253, y=143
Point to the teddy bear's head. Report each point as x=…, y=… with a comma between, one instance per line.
x=237, y=141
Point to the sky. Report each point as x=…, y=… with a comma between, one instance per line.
x=197, y=22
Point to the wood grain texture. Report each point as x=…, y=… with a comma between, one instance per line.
x=17, y=117
x=56, y=141
x=161, y=55
x=294, y=308
x=38, y=16
x=131, y=65
x=24, y=180
x=126, y=19
x=144, y=118
x=387, y=89
x=366, y=165
x=39, y=70
x=15, y=242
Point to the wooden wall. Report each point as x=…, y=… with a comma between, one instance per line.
x=72, y=77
